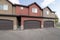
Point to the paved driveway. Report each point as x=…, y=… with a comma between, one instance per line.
x=33, y=34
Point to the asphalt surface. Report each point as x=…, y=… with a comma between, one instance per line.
x=32, y=34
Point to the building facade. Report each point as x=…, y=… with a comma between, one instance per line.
x=7, y=20
x=50, y=20
x=14, y=16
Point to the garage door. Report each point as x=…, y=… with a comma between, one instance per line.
x=48, y=24
x=32, y=24
x=6, y=25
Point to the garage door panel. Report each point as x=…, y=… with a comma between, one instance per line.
x=6, y=25
x=48, y=24
x=31, y=24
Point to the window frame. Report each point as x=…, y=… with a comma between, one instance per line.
x=1, y=7
x=47, y=12
x=21, y=8
x=5, y=7
x=34, y=10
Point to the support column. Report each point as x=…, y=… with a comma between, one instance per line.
x=22, y=27
x=22, y=23
x=54, y=23
x=42, y=24
x=15, y=24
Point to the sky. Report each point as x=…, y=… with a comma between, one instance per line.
x=53, y=4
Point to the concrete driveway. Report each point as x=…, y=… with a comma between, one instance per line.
x=33, y=34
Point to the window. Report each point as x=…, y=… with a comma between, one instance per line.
x=5, y=7
x=52, y=13
x=1, y=7
x=22, y=8
x=47, y=12
x=34, y=10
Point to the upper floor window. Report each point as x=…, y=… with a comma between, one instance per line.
x=5, y=7
x=52, y=13
x=1, y=7
x=34, y=10
x=22, y=8
x=47, y=12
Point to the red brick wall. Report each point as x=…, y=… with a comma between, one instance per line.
x=39, y=13
x=28, y=11
x=21, y=12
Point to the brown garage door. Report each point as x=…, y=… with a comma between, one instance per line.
x=48, y=24
x=6, y=25
x=32, y=24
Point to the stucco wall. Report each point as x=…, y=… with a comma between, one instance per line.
x=51, y=14
x=9, y=11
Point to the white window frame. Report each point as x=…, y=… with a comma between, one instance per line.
x=1, y=7
x=52, y=13
x=21, y=8
x=47, y=12
x=5, y=7
x=34, y=10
